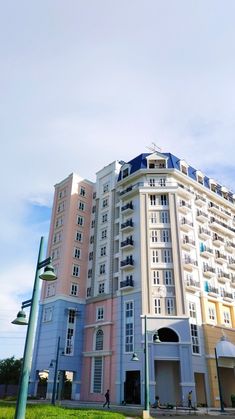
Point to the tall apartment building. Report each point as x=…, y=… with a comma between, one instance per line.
x=152, y=237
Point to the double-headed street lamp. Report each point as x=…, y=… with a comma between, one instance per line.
x=156, y=339
x=47, y=275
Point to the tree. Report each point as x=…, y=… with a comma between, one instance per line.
x=10, y=371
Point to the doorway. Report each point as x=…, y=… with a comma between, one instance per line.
x=132, y=387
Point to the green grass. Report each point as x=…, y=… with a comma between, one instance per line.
x=37, y=411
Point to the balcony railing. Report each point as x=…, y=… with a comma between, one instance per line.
x=220, y=223
x=127, y=242
x=129, y=189
x=223, y=274
x=127, y=262
x=187, y=240
x=128, y=206
x=213, y=290
x=189, y=261
x=127, y=283
x=208, y=269
x=128, y=223
x=190, y=282
x=226, y=294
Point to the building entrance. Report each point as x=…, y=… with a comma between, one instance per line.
x=132, y=387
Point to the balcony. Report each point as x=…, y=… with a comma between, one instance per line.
x=214, y=208
x=204, y=233
x=217, y=240
x=227, y=296
x=128, y=225
x=125, y=191
x=184, y=207
x=201, y=216
x=214, y=292
x=232, y=278
x=206, y=252
x=220, y=257
x=189, y=263
x=127, y=244
x=226, y=213
x=127, y=263
x=222, y=227
x=128, y=208
x=127, y=284
x=229, y=246
x=184, y=191
x=186, y=225
x=223, y=276
x=192, y=284
x=208, y=271
x=200, y=200
x=187, y=242
x=231, y=263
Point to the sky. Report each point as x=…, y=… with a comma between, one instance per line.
x=84, y=83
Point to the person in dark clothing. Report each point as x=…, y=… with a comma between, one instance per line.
x=190, y=399
x=107, y=399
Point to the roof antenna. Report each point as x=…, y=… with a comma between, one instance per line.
x=154, y=148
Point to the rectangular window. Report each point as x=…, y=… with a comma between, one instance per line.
x=129, y=326
x=163, y=200
x=100, y=313
x=105, y=203
x=102, y=269
x=152, y=182
x=103, y=251
x=76, y=270
x=162, y=181
x=93, y=224
x=47, y=314
x=71, y=316
x=153, y=200
x=69, y=341
x=89, y=274
x=80, y=220
x=156, y=277
x=82, y=191
x=157, y=305
x=104, y=234
x=81, y=206
x=105, y=187
x=155, y=258
x=192, y=310
x=211, y=313
x=195, y=339
x=170, y=306
x=226, y=316
x=97, y=374
x=168, y=277
x=50, y=290
x=77, y=253
x=74, y=289
x=165, y=236
x=154, y=234
x=153, y=218
x=101, y=288
x=164, y=217
x=104, y=218
x=78, y=236
x=59, y=222
x=167, y=256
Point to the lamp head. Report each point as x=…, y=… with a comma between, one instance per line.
x=48, y=274
x=156, y=338
x=134, y=357
x=21, y=318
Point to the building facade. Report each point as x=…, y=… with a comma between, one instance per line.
x=152, y=237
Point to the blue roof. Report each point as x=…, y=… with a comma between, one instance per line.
x=140, y=162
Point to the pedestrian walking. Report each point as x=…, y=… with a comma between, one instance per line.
x=107, y=399
x=190, y=399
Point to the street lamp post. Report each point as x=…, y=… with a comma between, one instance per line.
x=219, y=383
x=53, y=398
x=48, y=275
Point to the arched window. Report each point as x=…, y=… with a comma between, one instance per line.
x=167, y=335
x=99, y=340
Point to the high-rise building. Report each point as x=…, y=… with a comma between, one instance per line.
x=148, y=250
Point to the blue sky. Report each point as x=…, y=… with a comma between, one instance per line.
x=86, y=82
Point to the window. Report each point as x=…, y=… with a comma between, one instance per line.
x=97, y=374
x=104, y=234
x=102, y=269
x=81, y=206
x=153, y=218
x=163, y=200
x=129, y=326
x=165, y=236
x=195, y=339
x=153, y=200
x=125, y=172
x=155, y=256
x=99, y=340
x=77, y=253
x=61, y=207
x=105, y=187
x=89, y=274
x=164, y=217
x=92, y=239
x=170, y=306
x=78, y=236
x=154, y=235
x=74, y=289
x=192, y=310
x=167, y=256
x=55, y=254
x=93, y=209
x=101, y=288
x=162, y=181
x=59, y=222
x=104, y=218
x=69, y=341
x=152, y=182
x=94, y=195
x=82, y=191
x=103, y=251
x=105, y=203
x=157, y=305
x=47, y=314
x=226, y=316
x=76, y=270
x=100, y=313
x=80, y=220
x=71, y=316
x=156, y=277
x=93, y=224
x=91, y=256
x=211, y=313
x=168, y=277
x=50, y=290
